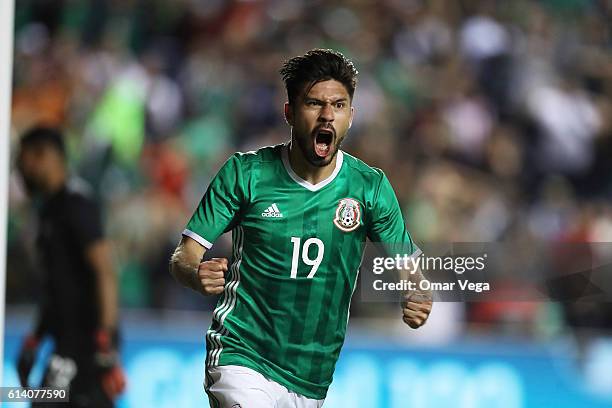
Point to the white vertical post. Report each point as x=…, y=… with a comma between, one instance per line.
x=6, y=70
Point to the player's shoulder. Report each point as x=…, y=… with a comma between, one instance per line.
x=266, y=154
x=359, y=168
x=79, y=190
x=79, y=195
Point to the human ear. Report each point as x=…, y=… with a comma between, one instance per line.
x=289, y=113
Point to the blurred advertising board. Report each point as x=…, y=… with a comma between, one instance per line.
x=164, y=364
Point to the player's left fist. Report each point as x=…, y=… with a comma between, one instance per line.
x=416, y=308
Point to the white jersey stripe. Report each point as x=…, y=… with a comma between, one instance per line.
x=227, y=294
x=213, y=336
x=229, y=301
x=232, y=290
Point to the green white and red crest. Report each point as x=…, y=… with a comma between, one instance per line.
x=348, y=215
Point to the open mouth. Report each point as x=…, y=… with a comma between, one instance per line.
x=323, y=142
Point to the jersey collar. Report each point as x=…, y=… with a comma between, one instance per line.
x=307, y=185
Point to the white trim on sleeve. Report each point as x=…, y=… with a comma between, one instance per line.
x=417, y=252
x=205, y=243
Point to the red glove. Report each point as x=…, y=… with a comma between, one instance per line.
x=26, y=359
x=107, y=360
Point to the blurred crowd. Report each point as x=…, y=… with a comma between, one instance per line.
x=492, y=119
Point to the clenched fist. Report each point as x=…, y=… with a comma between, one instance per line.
x=416, y=308
x=211, y=275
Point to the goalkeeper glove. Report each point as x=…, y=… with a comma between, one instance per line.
x=27, y=358
x=107, y=361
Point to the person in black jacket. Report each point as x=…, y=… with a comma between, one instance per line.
x=78, y=308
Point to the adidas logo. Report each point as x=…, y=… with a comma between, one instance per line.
x=272, y=212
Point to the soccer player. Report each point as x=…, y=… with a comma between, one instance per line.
x=79, y=303
x=299, y=213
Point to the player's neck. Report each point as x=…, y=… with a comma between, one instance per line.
x=305, y=170
x=55, y=181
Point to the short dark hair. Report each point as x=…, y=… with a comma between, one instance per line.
x=43, y=136
x=315, y=66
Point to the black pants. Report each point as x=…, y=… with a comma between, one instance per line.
x=80, y=375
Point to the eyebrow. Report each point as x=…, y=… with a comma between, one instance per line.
x=310, y=98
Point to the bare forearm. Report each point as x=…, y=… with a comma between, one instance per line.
x=414, y=276
x=417, y=277
x=184, y=268
x=108, y=299
x=99, y=256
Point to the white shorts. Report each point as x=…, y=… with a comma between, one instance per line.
x=233, y=386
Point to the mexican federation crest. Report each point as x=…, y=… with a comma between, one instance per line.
x=348, y=215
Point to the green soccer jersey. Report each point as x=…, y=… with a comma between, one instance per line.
x=297, y=248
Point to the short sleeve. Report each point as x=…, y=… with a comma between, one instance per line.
x=85, y=221
x=386, y=223
x=219, y=206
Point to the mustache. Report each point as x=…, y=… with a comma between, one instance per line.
x=327, y=126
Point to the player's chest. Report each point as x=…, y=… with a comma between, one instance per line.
x=292, y=211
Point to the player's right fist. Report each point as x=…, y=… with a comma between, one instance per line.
x=211, y=275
